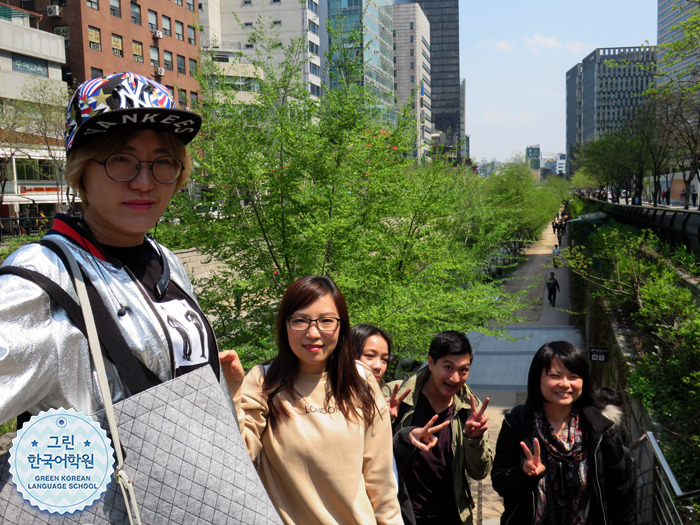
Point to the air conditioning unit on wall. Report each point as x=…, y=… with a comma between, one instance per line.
x=159, y=72
x=157, y=34
x=53, y=11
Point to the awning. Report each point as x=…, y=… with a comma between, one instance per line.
x=35, y=199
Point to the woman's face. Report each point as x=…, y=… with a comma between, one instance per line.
x=560, y=387
x=312, y=346
x=120, y=213
x=375, y=355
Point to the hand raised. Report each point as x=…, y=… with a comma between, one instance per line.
x=395, y=402
x=532, y=466
x=423, y=437
x=233, y=370
x=477, y=422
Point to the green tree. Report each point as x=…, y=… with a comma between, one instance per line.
x=295, y=186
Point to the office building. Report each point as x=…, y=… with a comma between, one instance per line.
x=670, y=13
x=604, y=91
x=443, y=16
x=229, y=26
x=157, y=39
x=412, y=82
x=28, y=54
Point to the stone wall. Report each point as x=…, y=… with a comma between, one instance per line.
x=198, y=266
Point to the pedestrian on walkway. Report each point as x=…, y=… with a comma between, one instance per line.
x=555, y=255
x=552, y=286
x=558, y=459
x=694, y=196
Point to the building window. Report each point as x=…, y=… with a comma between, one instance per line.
x=115, y=8
x=313, y=6
x=315, y=90
x=194, y=99
x=248, y=25
x=277, y=23
x=190, y=5
x=191, y=36
x=247, y=2
x=181, y=98
x=117, y=46
x=410, y=25
x=168, y=60
x=181, y=64
x=155, y=59
x=64, y=32
x=313, y=48
x=193, y=67
x=137, y=51
x=136, y=14
x=179, y=30
x=178, y=2
x=313, y=27
x=94, y=38
x=152, y=20
x=413, y=65
x=96, y=73
x=276, y=1
x=413, y=80
x=93, y=4
x=315, y=70
x=249, y=45
x=167, y=30
x=411, y=53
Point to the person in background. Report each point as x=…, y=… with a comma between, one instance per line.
x=434, y=481
x=126, y=157
x=372, y=346
x=558, y=459
x=552, y=286
x=313, y=419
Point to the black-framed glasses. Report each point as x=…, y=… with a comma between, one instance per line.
x=122, y=167
x=324, y=324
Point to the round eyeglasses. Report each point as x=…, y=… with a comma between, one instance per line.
x=324, y=324
x=122, y=167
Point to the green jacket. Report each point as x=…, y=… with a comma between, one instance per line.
x=472, y=458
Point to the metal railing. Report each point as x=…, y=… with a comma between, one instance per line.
x=658, y=496
x=16, y=226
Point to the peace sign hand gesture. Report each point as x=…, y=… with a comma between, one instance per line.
x=423, y=438
x=532, y=466
x=395, y=402
x=477, y=422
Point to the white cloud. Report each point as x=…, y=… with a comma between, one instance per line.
x=525, y=118
x=537, y=42
x=502, y=45
x=492, y=117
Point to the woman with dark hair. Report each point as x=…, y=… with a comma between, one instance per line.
x=558, y=459
x=372, y=346
x=314, y=422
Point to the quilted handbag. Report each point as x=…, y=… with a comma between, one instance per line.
x=180, y=458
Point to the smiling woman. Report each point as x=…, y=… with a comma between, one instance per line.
x=313, y=419
x=558, y=459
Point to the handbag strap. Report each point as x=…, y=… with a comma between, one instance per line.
x=123, y=480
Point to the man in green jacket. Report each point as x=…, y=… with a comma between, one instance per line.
x=436, y=460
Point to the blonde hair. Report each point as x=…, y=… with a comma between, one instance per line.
x=114, y=142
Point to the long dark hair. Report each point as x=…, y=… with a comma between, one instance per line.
x=573, y=359
x=362, y=332
x=352, y=395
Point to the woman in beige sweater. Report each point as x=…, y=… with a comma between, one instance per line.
x=314, y=420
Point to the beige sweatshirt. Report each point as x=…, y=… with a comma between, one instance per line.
x=318, y=467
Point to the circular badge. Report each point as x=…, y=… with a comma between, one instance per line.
x=61, y=461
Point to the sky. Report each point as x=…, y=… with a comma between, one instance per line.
x=514, y=55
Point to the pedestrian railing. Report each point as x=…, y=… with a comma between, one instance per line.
x=658, y=496
x=17, y=226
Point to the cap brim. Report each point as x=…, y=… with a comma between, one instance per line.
x=181, y=123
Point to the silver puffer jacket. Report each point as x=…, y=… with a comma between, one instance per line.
x=44, y=359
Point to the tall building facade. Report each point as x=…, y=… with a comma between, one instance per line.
x=412, y=79
x=611, y=88
x=157, y=39
x=443, y=16
x=373, y=20
x=670, y=13
x=228, y=28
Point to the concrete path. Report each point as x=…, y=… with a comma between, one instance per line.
x=500, y=366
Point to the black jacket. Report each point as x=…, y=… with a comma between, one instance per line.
x=610, y=470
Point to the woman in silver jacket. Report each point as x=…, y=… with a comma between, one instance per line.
x=126, y=157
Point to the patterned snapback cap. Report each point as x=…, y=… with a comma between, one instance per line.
x=125, y=101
